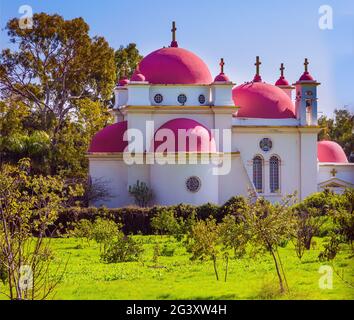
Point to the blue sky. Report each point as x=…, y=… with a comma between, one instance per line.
x=276, y=30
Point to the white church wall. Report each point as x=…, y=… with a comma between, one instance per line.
x=308, y=160
x=170, y=94
x=261, y=122
x=113, y=172
x=235, y=183
x=121, y=97
x=169, y=184
x=138, y=95
x=344, y=172
x=285, y=146
x=222, y=95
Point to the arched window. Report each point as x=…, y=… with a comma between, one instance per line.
x=274, y=166
x=258, y=173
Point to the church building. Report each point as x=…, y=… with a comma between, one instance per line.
x=195, y=139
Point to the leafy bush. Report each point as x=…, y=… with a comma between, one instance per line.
x=83, y=229
x=168, y=250
x=164, y=222
x=103, y=232
x=142, y=193
x=122, y=249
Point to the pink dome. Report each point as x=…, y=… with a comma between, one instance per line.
x=137, y=77
x=330, y=151
x=197, y=137
x=306, y=77
x=174, y=66
x=262, y=100
x=282, y=82
x=110, y=139
x=222, y=77
x=123, y=82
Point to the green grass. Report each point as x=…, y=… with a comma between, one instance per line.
x=177, y=277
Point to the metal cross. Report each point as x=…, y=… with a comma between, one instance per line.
x=222, y=63
x=334, y=172
x=257, y=64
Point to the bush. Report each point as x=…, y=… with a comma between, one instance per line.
x=168, y=250
x=164, y=222
x=103, y=232
x=122, y=249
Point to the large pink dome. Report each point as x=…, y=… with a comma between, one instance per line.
x=199, y=138
x=110, y=139
x=262, y=100
x=174, y=66
x=330, y=151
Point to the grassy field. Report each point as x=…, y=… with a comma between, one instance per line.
x=177, y=277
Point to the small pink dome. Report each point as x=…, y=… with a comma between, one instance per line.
x=174, y=66
x=110, y=139
x=262, y=100
x=306, y=77
x=198, y=137
x=282, y=82
x=222, y=77
x=330, y=151
x=123, y=82
x=137, y=77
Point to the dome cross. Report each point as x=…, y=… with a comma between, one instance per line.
x=282, y=68
x=174, y=43
x=306, y=63
x=222, y=63
x=257, y=64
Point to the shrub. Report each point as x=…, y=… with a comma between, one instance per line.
x=103, y=232
x=168, y=250
x=83, y=229
x=122, y=249
x=164, y=222
x=141, y=193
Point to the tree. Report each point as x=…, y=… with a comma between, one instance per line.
x=126, y=59
x=64, y=77
x=269, y=225
x=29, y=205
x=339, y=129
x=203, y=242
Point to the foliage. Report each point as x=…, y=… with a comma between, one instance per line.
x=203, y=241
x=233, y=233
x=122, y=249
x=126, y=59
x=165, y=222
x=83, y=229
x=29, y=205
x=103, y=232
x=96, y=190
x=339, y=129
x=269, y=225
x=60, y=81
x=142, y=193
x=331, y=248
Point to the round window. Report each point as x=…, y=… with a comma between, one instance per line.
x=193, y=184
x=266, y=144
x=202, y=99
x=182, y=99
x=158, y=98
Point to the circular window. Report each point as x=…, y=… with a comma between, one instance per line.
x=266, y=144
x=193, y=184
x=202, y=99
x=182, y=99
x=158, y=98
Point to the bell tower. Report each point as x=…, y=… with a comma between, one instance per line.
x=306, y=98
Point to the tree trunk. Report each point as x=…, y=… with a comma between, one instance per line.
x=278, y=271
x=227, y=267
x=215, y=268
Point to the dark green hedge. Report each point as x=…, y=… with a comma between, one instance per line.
x=137, y=220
